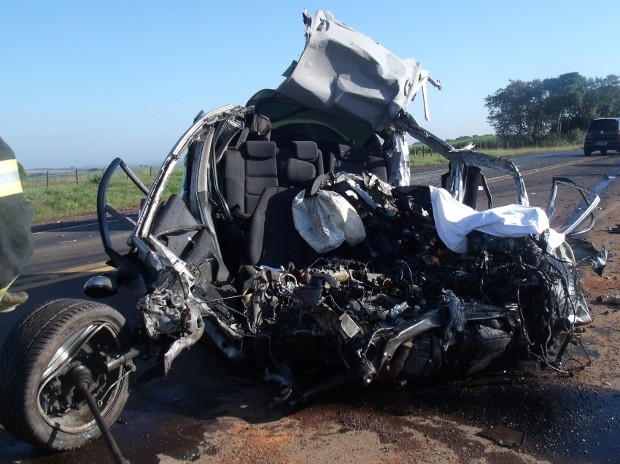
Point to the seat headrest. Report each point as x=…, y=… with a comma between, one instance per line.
x=260, y=148
x=298, y=172
x=351, y=153
x=305, y=150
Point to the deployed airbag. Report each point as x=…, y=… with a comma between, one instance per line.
x=326, y=220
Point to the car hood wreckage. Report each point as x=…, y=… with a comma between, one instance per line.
x=297, y=241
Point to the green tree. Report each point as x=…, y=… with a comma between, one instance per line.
x=602, y=99
x=564, y=96
x=555, y=106
x=518, y=111
x=22, y=172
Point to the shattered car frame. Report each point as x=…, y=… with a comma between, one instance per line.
x=296, y=241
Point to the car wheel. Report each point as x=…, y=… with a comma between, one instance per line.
x=587, y=152
x=39, y=402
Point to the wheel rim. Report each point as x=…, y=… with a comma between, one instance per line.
x=57, y=399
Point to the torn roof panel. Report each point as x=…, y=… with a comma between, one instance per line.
x=343, y=71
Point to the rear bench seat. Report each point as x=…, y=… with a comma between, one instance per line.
x=260, y=182
x=259, y=164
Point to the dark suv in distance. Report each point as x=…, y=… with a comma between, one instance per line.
x=603, y=134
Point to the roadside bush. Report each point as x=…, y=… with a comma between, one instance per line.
x=22, y=172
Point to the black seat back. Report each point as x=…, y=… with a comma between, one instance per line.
x=273, y=240
x=247, y=172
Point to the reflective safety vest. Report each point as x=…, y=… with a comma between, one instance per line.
x=15, y=220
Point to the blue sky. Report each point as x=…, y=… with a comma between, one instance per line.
x=85, y=81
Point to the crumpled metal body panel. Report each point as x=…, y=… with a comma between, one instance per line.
x=395, y=304
x=408, y=309
x=346, y=72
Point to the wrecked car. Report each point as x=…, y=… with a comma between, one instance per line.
x=298, y=242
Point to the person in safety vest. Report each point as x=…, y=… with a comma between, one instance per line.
x=15, y=235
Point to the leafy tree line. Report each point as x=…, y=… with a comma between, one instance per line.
x=554, y=108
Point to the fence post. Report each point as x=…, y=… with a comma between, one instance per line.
x=77, y=181
x=47, y=180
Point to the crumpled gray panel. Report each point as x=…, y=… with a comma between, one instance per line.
x=344, y=71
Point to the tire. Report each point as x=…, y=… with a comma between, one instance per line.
x=57, y=336
x=587, y=152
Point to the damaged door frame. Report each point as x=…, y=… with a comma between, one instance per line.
x=456, y=181
x=459, y=159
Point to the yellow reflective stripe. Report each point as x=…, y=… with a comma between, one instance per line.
x=10, y=189
x=4, y=290
x=9, y=165
x=9, y=178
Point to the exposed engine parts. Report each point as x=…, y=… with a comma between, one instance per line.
x=399, y=306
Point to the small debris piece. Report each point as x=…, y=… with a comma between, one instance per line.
x=504, y=436
x=612, y=299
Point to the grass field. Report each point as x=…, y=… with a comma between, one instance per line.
x=64, y=196
x=74, y=192
x=427, y=158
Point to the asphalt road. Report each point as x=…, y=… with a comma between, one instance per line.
x=166, y=420
x=66, y=255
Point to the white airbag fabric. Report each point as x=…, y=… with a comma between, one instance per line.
x=455, y=220
x=326, y=220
